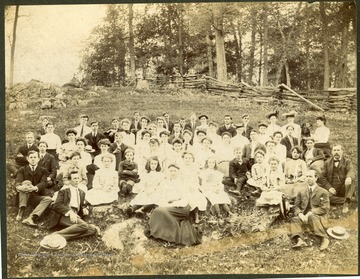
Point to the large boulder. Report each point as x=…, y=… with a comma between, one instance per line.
x=142, y=85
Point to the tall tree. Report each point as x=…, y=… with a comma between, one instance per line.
x=265, y=45
x=325, y=44
x=131, y=42
x=253, y=43
x=12, y=45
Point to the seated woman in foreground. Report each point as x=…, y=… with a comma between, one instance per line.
x=171, y=221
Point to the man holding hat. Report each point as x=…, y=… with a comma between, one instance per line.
x=310, y=209
x=337, y=177
x=35, y=193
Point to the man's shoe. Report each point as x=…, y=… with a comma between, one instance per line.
x=20, y=214
x=324, y=244
x=345, y=208
x=300, y=243
x=98, y=231
x=29, y=222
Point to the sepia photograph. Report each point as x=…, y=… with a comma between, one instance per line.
x=207, y=138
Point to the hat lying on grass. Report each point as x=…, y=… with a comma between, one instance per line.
x=338, y=232
x=53, y=242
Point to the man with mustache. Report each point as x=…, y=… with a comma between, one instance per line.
x=337, y=177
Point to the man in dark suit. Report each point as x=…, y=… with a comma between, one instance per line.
x=176, y=134
x=37, y=175
x=94, y=137
x=118, y=149
x=337, y=177
x=48, y=162
x=168, y=124
x=192, y=124
x=247, y=128
x=68, y=210
x=23, y=151
x=20, y=157
x=227, y=127
x=289, y=141
x=135, y=123
x=310, y=209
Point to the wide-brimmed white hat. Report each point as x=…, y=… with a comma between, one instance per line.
x=338, y=232
x=53, y=242
x=269, y=198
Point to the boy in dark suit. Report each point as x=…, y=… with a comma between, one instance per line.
x=238, y=171
x=68, y=210
x=37, y=175
x=118, y=149
x=48, y=162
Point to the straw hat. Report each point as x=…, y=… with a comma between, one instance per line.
x=88, y=148
x=338, y=232
x=269, y=198
x=53, y=242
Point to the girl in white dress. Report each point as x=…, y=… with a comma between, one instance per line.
x=105, y=184
x=149, y=187
x=190, y=175
x=212, y=187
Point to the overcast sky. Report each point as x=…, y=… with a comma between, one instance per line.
x=49, y=40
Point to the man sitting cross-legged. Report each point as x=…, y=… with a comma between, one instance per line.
x=68, y=210
x=37, y=177
x=310, y=208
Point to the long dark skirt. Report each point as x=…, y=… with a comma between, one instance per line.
x=172, y=224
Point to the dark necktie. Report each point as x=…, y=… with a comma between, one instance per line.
x=82, y=131
x=308, y=207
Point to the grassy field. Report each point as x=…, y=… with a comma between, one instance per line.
x=225, y=250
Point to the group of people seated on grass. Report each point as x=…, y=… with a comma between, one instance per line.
x=175, y=171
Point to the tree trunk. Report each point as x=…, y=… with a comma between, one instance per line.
x=326, y=83
x=265, y=45
x=240, y=52
x=342, y=82
x=180, y=42
x=131, y=43
x=220, y=49
x=252, y=48
x=287, y=74
x=261, y=56
x=209, y=54
x=12, y=55
x=237, y=52
x=279, y=70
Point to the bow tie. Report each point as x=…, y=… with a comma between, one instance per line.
x=336, y=161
